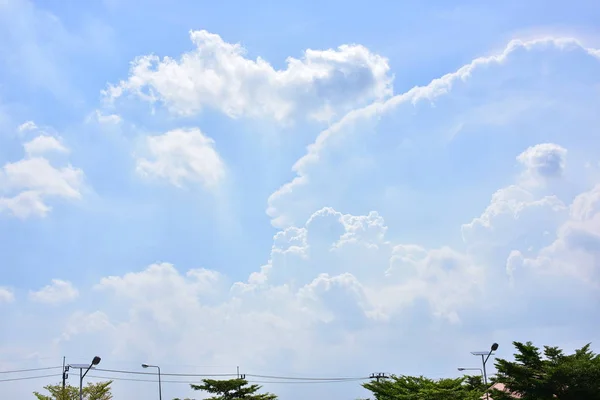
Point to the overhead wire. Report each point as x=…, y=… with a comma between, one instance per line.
x=231, y=375
x=303, y=378
x=28, y=370
x=162, y=374
x=29, y=377
x=195, y=382
x=271, y=378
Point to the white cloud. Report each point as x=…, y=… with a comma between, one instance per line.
x=338, y=291
x=57, y=292
x=39, y=175
x=81, y=323
x=25, y=204
x=180, y=156
x=27, y=126
x=576, y=248
x=26, y=184
x=44, y=144
x=505, y=94
x=217, y=75
x=109, y=119
x=333, y=285
x=545, y=161
x=511, y=214
x=6, y=295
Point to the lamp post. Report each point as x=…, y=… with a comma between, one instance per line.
x=159, y=386
x=484, y=357
x=81, y=367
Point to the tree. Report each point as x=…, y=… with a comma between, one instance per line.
x=232, y=389
x=549, y=376
x=93, y=391
x=421, y=388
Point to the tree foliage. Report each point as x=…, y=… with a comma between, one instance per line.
x=92, y=391
x=421, y=388
x=549, y=375
x=232, y=389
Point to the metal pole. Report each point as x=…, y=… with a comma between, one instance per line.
x=64, y=377
x=484, y=371
x=487, y=391
x=80, y=383
x=159, y=386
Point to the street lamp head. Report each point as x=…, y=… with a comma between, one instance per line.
x=461, y=369
x=145, y=365
x=495, y=347
x=96, y=360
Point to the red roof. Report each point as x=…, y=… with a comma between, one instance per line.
x=502, y=388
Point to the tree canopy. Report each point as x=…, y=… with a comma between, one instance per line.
x=549, y=375
x=422, y=388
x=92, y=391
x=232, y=389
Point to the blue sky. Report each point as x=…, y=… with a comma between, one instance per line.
x=354, y=188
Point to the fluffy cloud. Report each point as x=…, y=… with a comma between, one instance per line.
x=102, y=118
x=338, y=284
x=545, y=161
x=576, y=249
x=396, y=148
x=511, y=214
x=349, y=292
x=180, y=156
x=217, y=75
x=27, y=126
x=44, y=144
x=6, y=295
x=57, y=292
x=33, y=179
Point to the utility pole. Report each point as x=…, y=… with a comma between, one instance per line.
x=379, y=375
x=65, y=375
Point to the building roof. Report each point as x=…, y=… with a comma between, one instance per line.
x=502, y=388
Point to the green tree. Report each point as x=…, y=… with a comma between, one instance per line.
x=92, y=391
x=422, y=388
x=232, y=389
x=549, y=375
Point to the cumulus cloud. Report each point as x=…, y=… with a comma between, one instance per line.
x=546, y=160
x=333, y=284
x=27, y=184
x=182, y=156
x=351, y=288
x=57, y=292
x=27, y=126
x=102, y=118
x=81, y=323
x=329, y=295
x=6, y=295
x=217, y=75
x=576, y=248
x=498, y=97
x=511, y=214
x=44, y=144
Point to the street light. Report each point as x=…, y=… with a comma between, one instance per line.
x=484, y=360
x=158, y=368
x=81, y=367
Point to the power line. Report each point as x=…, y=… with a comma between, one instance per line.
x=28, y=370
x=162, y=374
x=29, y=377
x=306, y=378
x=195, y=382
x=231, y=375
x=311, y=382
